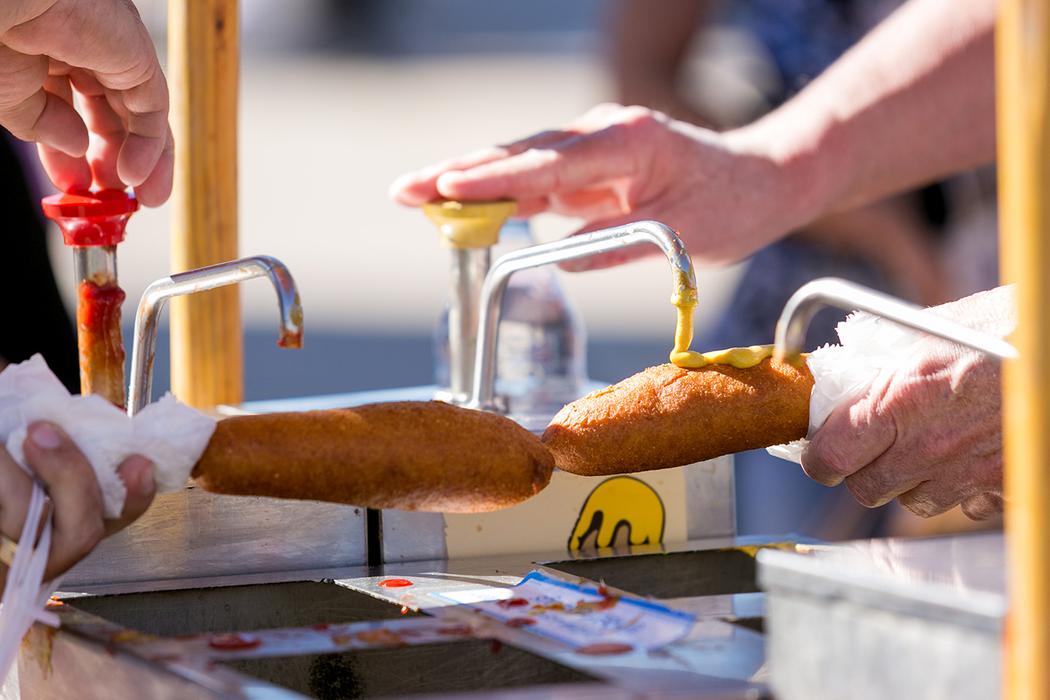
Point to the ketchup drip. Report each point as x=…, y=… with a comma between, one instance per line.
x=100, y=340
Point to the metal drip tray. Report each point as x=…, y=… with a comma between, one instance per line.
x=236, y=608
x=477, y=665
x=675, y=574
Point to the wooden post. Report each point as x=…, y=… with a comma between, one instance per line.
x=207, y=353
x=1023, y=107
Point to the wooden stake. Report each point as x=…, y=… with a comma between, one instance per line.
x=207, y=353
x=1023, y=106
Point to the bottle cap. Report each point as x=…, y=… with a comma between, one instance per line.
x=91, y=218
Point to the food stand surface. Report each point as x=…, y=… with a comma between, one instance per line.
x=909, y=609
x=340, y=633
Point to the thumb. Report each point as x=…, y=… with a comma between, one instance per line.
x=137, y=474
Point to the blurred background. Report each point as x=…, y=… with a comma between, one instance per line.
x=338, y=97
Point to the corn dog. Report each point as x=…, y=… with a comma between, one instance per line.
x=427, y=456
x=668, y=416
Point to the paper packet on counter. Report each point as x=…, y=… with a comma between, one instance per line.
x=869, y=345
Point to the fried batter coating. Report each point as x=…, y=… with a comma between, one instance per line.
x=411, y=455
x=667, y=416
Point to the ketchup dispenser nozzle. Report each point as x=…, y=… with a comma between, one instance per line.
x=93, y=223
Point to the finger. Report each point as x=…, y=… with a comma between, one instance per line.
x=157, y=187
x=147, y=129
x=15, y=489
x=854, y=435
x=877, y=484
x=31, y=113
x=48, y=119
x=929, y=499
x=420, y=187
x=954, y=481
x=541, y=139
x=532, y=207
x=73, y=489
x=983, y=506
x=591, y=205
x=65, y=172
x=137, y=474
x=106, y=127
x=574, y=164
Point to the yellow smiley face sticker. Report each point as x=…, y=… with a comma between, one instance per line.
x=620, y=510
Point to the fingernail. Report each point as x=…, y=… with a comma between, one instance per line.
x=45, y=437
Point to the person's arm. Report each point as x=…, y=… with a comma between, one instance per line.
x=912, y=102
x=73, y=67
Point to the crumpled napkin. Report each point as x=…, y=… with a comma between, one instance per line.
x=172, y=435
x=869, y=345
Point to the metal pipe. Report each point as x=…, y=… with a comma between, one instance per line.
x=96, y=264
x=572, y=248
x=203, y=279
x=469, y=267
x=830, y=291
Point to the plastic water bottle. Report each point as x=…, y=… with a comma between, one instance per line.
x=541, y=362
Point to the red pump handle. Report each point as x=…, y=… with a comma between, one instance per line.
x=91, y=218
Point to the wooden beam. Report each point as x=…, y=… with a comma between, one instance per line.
x=207, y=353
x=1023, y=113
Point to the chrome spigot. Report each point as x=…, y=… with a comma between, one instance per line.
x=830, y=291
x=572, y=248
x=201, y=280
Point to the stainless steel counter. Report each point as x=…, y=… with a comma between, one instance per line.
x=337, y=633
x=887, y=618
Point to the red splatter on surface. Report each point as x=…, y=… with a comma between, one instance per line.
x=512, y=603
x=520, y=622
x=233, y=641
x=380, y=637
x=456, y=630
x=605, y=649
x=122, y=636
x=395, y=583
